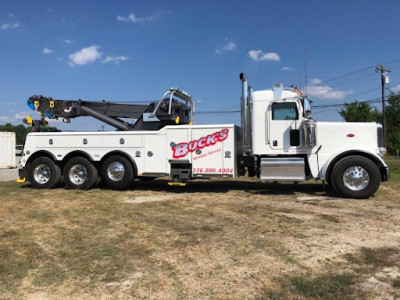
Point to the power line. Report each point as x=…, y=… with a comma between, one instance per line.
x=218, y=112
x=355, y=79
x=358, y=71
x=377, y=100
x=352, y=97
x=342, y=104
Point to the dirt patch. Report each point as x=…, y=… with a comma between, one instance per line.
x=156, y=198
x=212, y=239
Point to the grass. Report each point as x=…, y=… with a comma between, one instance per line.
x=330, y=218
x=394, y=165
x=374, y=258
x=316, y=287
x=212, y=239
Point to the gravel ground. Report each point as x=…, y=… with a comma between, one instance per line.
x=10, y=174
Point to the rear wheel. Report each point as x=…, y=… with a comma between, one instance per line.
x=80, y=174
x=355, y=177
x=44, y=173
x=117, y=172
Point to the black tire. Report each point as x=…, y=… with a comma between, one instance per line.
x=44, y=173
x=117, y=172
x=355, y=177
x=80, y=174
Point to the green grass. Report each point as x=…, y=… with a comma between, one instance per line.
x=330, y=218
x=394, y=165
x=375, y=257
x=396, y=283
x=326, y=286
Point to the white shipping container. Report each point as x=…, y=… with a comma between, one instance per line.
x=7, y=150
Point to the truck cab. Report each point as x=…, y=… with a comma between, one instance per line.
x=282, y=113
x=288, y=145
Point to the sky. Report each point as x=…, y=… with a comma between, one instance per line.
x=131, y=51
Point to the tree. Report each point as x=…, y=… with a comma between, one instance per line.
x=360, y=112
x=20, y=131
x=364, y=112
x=393, y=123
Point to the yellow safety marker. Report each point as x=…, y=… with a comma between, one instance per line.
x=28, y=120
x=190, y=123
x=177, y=120
x=51, y=104
x=176, y=183
x=19, y=180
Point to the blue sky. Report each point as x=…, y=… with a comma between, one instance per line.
x=135, y=50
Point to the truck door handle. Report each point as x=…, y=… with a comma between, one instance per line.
x=275, y=143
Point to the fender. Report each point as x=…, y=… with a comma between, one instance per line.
x=326, y=162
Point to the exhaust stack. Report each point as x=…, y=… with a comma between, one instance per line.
x=246, y=114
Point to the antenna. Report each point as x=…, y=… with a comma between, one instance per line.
x=305, y=71
x=300, y=83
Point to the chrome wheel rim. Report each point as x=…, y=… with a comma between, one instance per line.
x=78, y=174
x=356, y=178
x=116, y=171
x=42, y=173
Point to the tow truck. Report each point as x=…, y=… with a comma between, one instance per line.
x=277, y=141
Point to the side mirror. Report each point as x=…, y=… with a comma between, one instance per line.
x=306, y=108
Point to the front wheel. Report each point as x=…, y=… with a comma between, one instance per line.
x=355, y=177
x=44, y=173
x=117, y=172
x=80, y=174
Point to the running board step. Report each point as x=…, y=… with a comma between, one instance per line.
x=282, y=169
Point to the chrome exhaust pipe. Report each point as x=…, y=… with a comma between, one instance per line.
x=246, y=114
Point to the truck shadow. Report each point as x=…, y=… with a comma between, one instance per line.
x=251, y=187
x=225, y=186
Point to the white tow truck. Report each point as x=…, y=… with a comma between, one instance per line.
x=277, y=141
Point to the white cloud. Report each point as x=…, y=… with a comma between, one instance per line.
x=229, y=46
x=132, y=18
x=315, y=81
x=11, y=15
x=115, y=59
x=21, y=115
x=315, y=89
x=396, y=88
x=66, y=41
x=85, y=55
x=325, y=91
x=5, y=119
x=6, y=26
x=47, y=50
x=286, y=69
x=258, y=55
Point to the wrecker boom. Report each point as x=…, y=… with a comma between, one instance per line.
x=175, y=107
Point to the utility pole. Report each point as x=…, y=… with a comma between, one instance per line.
x=384, y=80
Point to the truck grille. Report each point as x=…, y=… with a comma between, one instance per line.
x=380, y=136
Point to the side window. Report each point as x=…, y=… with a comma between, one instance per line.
x=285, y=111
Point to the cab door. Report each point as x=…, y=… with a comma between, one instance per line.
x=284, y=123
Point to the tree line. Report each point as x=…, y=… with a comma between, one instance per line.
x=21, y=131
x=365, y=112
